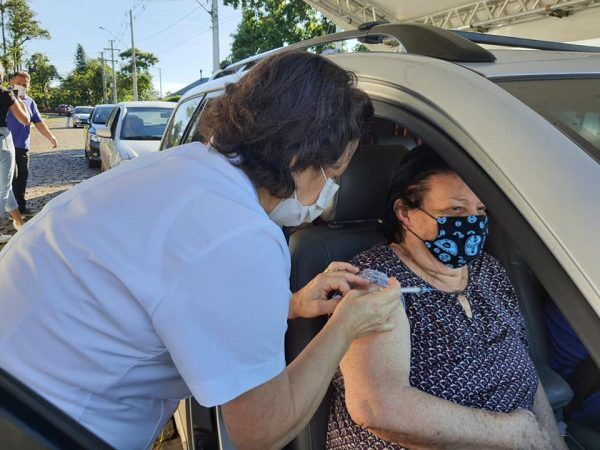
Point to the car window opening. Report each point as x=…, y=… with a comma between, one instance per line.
x=145, y=124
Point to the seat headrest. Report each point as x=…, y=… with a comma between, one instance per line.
x=365, y=184
x=404, y=141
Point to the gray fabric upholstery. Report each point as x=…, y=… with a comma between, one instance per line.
x=364, y=185
x=354, y=227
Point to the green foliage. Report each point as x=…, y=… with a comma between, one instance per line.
x=268, y=24
x=125, y=86
x=21, y=26
x=43, y=73
x=144, y=61
x=81, y=60
x=173, y=98
x=83, y=87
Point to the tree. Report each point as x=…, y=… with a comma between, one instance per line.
x=21, y=26
x=42, y=75
x=143, y=62
x=83, y=86
x=81, y=60
x=268, y=24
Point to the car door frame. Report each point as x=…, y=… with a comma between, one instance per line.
x=104, y=142
x=189, y=125
x=416, y=114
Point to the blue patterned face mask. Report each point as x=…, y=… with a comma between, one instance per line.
x=459, y=240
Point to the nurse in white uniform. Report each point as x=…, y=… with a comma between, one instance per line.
x=168, y=276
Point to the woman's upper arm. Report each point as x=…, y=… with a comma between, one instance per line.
x=374, y=366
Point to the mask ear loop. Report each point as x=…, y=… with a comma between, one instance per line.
x=415, y=234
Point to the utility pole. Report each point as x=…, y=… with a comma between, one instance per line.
x=160, y=81
x=133, y=66
x=214, y=14
x=103, y=77
x=114, y=73
x=3, y=34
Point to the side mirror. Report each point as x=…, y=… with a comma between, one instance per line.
x=103, y=132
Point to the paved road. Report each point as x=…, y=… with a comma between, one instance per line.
x=53, y=171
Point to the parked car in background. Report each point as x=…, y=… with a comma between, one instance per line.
x=81, y=116
x=132, y=129
x=98, y=118
x=64, y=110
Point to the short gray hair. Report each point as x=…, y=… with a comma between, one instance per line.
x=22, y=73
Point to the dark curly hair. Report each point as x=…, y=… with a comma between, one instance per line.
x=292, y=111
x=409, y=185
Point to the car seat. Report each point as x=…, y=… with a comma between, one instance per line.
x=353, y=226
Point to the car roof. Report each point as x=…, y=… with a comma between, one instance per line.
x=522, y=62
x=149, y=104
x=509, y=63
x=105, y=105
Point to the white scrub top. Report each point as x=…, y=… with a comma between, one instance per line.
x=160, y=277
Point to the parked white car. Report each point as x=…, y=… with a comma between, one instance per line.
x=133, y=129
x=81, y=116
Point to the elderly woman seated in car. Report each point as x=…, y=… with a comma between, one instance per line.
x=457, y=372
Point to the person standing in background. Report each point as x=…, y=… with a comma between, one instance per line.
x=21, y=137
x=9, y=103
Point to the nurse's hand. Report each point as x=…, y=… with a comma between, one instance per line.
x=362, y=313
x=313, y=299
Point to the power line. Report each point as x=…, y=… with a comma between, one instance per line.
x=195, y=35
x=210, y=13
x=170, y=26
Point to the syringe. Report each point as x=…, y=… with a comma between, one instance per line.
x=415, y=290
x=381, y=279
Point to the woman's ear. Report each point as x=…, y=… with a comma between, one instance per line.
x=401, y=211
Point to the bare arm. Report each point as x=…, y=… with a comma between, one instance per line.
x=286, y=403
x=379, y=397
x=545, y=416
x=45, y=131
x=19, y=110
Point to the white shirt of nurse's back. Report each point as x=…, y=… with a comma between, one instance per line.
x=159, y=277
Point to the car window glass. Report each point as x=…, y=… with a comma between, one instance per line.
x=199, y=132
x=101, y=114
x=571, y=105
x=83, y=110
x=145, y=123
x=111, y=117
x=181, y=119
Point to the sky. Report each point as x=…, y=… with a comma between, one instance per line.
x=177, y=31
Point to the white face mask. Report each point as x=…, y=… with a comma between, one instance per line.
x=290, y=212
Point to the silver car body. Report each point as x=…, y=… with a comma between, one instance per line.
x=548, y=177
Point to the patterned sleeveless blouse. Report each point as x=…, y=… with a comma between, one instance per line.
x=481, y=362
